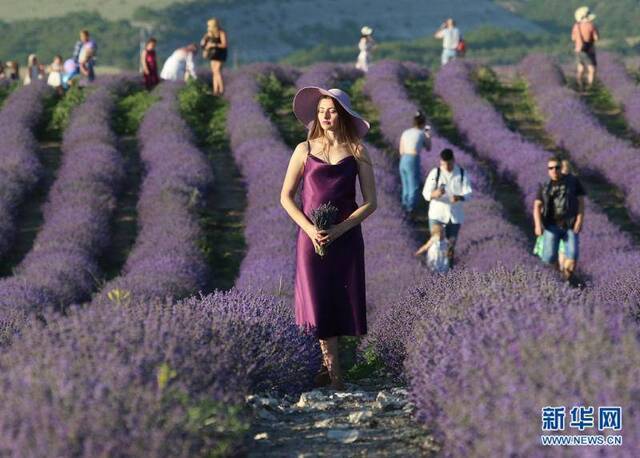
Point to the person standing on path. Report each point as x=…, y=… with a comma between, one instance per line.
x=366, y=46
x=450, y=36
x=180, y=64
x=330, y=294
x=558, y=215
x=150, y=64
x=584, y=35
x=446, y=189
x=214, y=48
x=412, y=142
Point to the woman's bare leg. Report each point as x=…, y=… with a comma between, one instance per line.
x=217, y=77
x=330, y=352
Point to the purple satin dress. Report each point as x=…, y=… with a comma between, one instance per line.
x=330, y=294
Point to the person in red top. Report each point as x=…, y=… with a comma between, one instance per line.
x=149, y=64
x=584, y=35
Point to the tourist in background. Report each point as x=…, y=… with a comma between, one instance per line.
x=84, y=54
x=149, y=64
x=366, y=46
x=13, y=70
x=214, y=49
x=412, y=142
x=446, y=189
x=34, y=70
x=558, y=214
x=54, y=79
x=180, y=65
x=584, y=35
x=450, y=36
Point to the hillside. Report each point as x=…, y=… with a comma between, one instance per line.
x=265, y=30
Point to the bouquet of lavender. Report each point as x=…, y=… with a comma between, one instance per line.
x=323, y=218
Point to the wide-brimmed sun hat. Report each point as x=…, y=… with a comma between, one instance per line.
x=366, y=30
x=305, y=106
x=584, y=13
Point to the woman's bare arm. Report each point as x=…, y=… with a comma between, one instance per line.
x=290, y=187
x=368, y=188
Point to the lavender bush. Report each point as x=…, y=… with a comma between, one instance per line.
x=606, y=252
x=623, y=87
x=154, y=379
x=61, y=267
x=574, y=128
x=19, y=165
x=269, y=263
x=166, y=261
x=491, y=353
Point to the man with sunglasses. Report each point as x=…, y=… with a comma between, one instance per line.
x=558, y=214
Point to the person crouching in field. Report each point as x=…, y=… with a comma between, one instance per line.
x=446, y=189
x=558, y=214
x=180, y=65
x=437, y=249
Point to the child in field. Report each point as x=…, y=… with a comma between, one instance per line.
x=436, y=249
x=55, y=74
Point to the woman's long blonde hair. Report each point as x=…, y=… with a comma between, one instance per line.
x=346, y=131
x=213, y=27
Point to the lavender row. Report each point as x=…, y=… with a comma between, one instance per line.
x=487, y=239
x=575, y=129
x=61, y=267
x=606, y=252
x=20, y=168
x=269, y=263
x=496, y=319
x=496, y=348
x=165, y=260
x=152, y=378
x=623, y=87
x=181, y=369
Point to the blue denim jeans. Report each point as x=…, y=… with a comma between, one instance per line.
x=551, y=242
x=410, y=177
x=447, y=55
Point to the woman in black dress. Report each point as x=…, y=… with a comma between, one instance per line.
x=214, y=48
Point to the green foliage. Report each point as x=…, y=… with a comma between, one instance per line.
x=60, y=109
x=205, y=113
x=5, y=91
x=130, y=110
x=117, y=40
x=492, y=44
x=214, y=422
x=275, y=99
x=617, y=18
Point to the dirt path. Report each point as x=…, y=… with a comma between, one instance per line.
x=372, y=418
x=30, y=217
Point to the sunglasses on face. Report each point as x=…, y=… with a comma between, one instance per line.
x=554, y=167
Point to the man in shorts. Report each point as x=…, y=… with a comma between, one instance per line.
x=584, y=35
x=558, y=214
x=446, y=189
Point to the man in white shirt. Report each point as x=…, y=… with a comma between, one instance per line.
x=446, y=189
x=450, y=36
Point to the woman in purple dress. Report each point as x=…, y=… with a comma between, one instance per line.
x=330, y=295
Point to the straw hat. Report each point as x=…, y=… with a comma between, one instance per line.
x=584, y=14
x=305, y=106
x=366, y=30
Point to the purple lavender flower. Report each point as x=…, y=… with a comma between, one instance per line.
x=323, y=218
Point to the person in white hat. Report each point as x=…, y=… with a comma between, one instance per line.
x=584, y=35
x=366, y=46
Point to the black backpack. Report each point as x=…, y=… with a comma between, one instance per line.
x=438, y=176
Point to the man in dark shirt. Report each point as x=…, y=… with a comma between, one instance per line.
x=558, y=214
